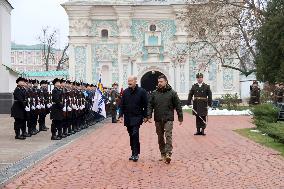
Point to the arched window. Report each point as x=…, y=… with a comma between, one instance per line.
x=153, y=27
x=104, y=33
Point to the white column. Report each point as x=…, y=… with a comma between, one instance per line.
x=72, y=62
x=89, y=66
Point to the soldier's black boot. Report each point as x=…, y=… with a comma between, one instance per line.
x=25, y=134
x=60, y=134
x=54, y=137
x=69, y=132
x=18, y=136
x=64, y=135
x=30, y=131
x=197, y=132
x=202, y=132
x=42, y=127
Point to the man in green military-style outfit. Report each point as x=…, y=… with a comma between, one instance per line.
x=114, y=100
x=202, y=99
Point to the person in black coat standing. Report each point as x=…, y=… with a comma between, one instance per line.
x=56, y=112
x=134, y=109
x=18, y=111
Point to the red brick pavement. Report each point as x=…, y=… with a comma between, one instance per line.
x=222, y=159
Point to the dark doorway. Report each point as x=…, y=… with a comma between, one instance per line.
x=149, y=81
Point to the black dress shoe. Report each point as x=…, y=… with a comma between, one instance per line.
x=55, y=138
x=202, y=132
x=135, y=158
x=27, y=135
x=197, y=133
x=33, y=133
x=131, y=158
x=21, y=137
x=43, y=129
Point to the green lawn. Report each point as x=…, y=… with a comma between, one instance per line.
x=262, y=139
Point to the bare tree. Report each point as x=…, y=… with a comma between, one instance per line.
x=227, y=28
x=48, y=41
x=64, y=58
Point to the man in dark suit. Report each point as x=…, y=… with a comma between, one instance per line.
x=134, y=108
x=202, y=99
x=56, y=112
x=18, y=111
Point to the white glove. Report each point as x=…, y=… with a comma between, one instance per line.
x=42, y=106
x=69, y=109
x=33, y=107
x=114, y=103
x=49, y=105
x=74, y=107
x=38, y=107
x=81, y=108
x=27, y=109
x=64, y=109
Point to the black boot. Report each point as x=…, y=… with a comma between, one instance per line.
x=25, y=134
x=18, y=136
x=64, y=135
x=198, y=132
x=54, y=137
x=202, y=132
x=42, y=127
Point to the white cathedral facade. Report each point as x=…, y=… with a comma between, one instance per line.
x=118, y=38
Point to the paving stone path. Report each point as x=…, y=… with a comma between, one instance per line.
x=222, y=159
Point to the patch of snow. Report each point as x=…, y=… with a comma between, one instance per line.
x=255, y=131
x=228, y=112
x=223, y=112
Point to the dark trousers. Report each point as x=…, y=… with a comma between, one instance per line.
x=32, y=121
x=199, y=123
x=19, y=125
x=56, y=125
x=41, y=120
x=113, y=116
x=133, y=132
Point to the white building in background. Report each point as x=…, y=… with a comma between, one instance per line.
x=118, y=38
x=7, y=75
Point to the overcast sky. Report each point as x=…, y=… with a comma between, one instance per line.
x=30, y=16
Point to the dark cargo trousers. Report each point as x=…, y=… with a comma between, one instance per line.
x=164, y=132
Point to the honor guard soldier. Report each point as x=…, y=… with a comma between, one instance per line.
x=65, y=101
x=202, y=99
x=44, y=101
x=254, y=94
x=18, y=111
x=31, y=101
x=56, y=112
